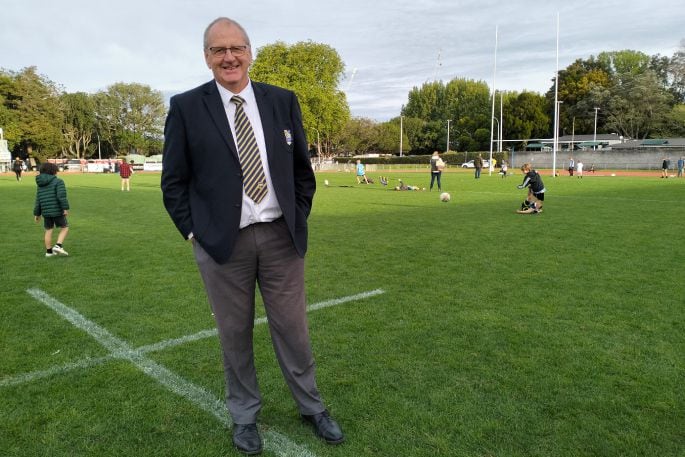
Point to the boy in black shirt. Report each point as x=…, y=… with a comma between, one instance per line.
x=536, y=191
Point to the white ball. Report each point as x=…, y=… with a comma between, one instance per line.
x=613, y=174
x=445, y=197
x=326, y=182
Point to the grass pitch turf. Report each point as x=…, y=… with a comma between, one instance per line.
x=496, y=334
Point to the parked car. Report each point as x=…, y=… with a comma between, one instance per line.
x=73, y=165
x=469, y=164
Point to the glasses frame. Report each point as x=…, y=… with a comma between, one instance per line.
x=221, y=51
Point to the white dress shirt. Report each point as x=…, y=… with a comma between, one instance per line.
x=268, y=209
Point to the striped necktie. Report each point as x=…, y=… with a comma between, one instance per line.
x=254, y=181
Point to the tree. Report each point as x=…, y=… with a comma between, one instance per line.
x=36, y=118
x=79, y=123
x=676, y=70
x=630, y=88
x=313, y=71
x=576, y=83
x=131, y=118
x=526, y=116
x=9, y=118
x=465, y=102
x=638, y=106
x=359, y=136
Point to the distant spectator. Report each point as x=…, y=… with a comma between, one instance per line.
x=18, y=167
x=125, y=171
x=681, y=166
x=478, y=164
x=571, y=166
x=665, y=165
x=437, y=165
x=579, y=169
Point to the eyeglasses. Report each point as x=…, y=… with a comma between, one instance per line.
x=220, y=51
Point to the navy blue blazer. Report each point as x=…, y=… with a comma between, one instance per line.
x=202, y=180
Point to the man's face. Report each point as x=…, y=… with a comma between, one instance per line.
x=229, y=70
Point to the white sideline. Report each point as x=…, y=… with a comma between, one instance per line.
x=119, y=349
x=89, y=362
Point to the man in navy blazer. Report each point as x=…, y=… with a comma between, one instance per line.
x=240, y=240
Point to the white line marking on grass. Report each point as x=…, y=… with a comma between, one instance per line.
x=260, y=320
x=119, y=349
x=40, y=374
x=89, y=362
x=273, y=440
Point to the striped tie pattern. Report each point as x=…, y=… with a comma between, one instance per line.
x=254, y=181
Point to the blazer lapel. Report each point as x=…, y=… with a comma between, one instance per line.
x=216, y=110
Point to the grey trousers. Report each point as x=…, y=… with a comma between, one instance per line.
x=263, y=255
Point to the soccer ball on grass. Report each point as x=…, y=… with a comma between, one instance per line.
x=445, y=197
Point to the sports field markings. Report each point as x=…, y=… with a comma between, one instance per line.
x=119, y=349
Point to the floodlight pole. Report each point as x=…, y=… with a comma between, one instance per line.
x=447, y=149
x=594, y=137
x=99, y=152
x=401, y=133
x=556, y=110
x=494, y=94
x=501, y=120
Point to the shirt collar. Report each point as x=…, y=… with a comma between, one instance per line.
x=246, y=94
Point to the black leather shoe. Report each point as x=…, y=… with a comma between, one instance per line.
x=246, y=438
x=325, y=427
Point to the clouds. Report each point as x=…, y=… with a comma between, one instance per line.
x=394, y=45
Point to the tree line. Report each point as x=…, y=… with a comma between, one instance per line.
x=625, y=92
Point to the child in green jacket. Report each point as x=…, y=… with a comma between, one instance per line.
x=52, y=204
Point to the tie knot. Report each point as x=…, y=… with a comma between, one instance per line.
x=237, y=100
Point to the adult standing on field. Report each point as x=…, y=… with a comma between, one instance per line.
x=238, y=183
x=665, y=165
x=681, y=166
x=125, y=171
x=478, y=163
x=437, y=165
x=571, y=166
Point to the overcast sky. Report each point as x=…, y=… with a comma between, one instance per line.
x=388, y=47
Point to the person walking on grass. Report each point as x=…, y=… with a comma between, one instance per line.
x=53, y=206
x=361, y=173
x=17, y=167
x=125, y=171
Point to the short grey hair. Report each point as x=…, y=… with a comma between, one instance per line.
x=205, y=40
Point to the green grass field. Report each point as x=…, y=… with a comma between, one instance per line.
x=463, y=329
